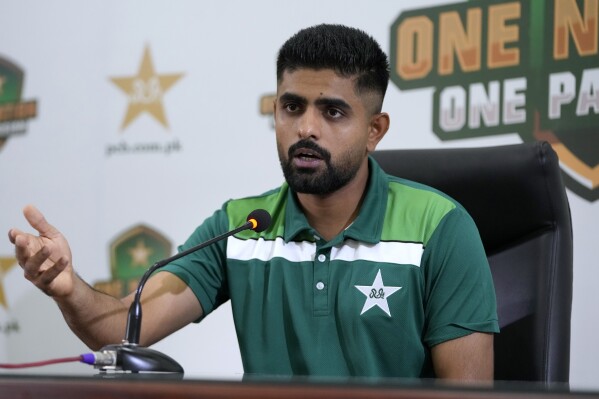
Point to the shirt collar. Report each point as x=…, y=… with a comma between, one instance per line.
x=368, y=225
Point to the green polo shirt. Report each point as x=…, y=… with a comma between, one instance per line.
x=410, y=272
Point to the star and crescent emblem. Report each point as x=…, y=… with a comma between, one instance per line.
x=145, y=91
x=377, y=294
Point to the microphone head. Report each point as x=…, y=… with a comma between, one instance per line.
x=260, y=220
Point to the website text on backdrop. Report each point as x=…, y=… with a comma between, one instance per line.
x=360, y=273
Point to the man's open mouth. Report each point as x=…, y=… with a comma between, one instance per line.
x=306, y=154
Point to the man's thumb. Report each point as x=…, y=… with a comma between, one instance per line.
x=37, y=220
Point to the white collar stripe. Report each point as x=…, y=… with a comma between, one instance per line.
x=404, y=253
x=384, y=252
x=265, y=250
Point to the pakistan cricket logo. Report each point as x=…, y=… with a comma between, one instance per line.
x=528, y=67
x=14, y=113
x=131, y=254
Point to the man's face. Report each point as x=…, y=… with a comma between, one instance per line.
x=322, y=128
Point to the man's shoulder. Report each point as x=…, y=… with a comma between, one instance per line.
x=266, y=200
x=411, y=193
x=408, y=193
x=273, y=201
x=415, y=210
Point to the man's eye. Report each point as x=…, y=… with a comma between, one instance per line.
x=334, y=113
x=291, y=107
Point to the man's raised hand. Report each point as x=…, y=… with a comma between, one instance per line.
x=46, y=259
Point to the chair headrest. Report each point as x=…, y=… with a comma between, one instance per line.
x=510, y=191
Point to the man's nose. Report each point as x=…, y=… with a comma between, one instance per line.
x=309, y=124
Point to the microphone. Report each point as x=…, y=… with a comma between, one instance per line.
x=129, y=356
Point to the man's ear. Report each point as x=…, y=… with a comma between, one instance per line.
x=379, y=124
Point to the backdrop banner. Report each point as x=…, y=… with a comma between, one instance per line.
x=128, y=123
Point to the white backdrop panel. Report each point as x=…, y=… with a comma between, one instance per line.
x=225, y=51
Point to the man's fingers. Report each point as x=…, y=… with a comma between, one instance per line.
x=22, y=247
x=42, y=278
x=12, y=234
x=49, y=275
x=45, y=257
x=32, y=265
x=37, y=220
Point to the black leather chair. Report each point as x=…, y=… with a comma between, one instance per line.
x=517, y=198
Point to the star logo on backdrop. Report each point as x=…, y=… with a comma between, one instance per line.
x=140, y=254
x=145, y=91
x=132, y=252
x=377, y=294
x=5, y=265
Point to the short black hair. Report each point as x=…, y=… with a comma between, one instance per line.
x=346, y=50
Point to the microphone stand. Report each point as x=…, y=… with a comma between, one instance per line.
x=129, y=355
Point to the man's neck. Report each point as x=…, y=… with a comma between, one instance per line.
x=330, y=214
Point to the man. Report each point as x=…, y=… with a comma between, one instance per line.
x=359, y=274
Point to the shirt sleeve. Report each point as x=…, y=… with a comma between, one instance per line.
x=204, y=271
x=459, y=293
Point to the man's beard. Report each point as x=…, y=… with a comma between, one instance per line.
x=319, y=182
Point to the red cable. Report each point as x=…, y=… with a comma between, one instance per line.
x=41, y=363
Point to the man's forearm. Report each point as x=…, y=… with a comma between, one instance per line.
x=96, y=318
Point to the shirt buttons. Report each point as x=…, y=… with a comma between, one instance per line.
x=319, y=285
x=322, y=258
